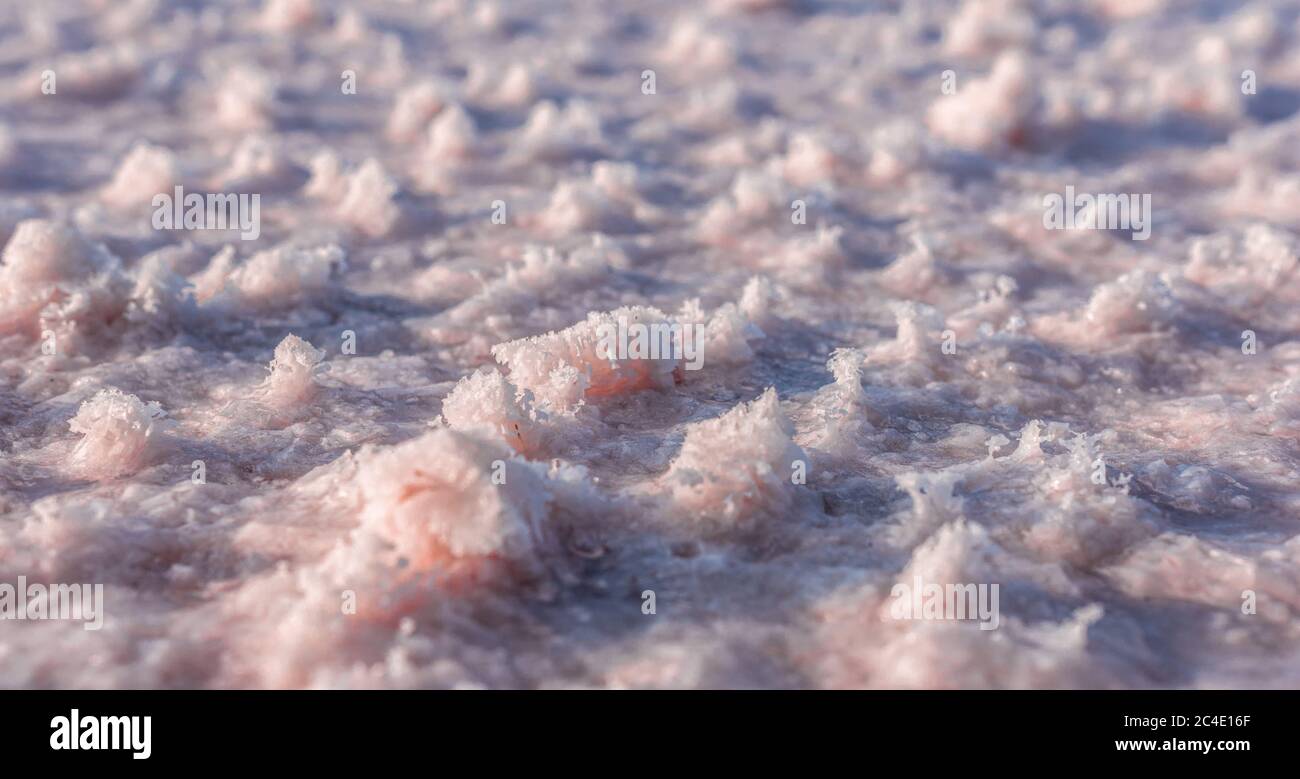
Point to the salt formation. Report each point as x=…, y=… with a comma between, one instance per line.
x=754, y=195
x=120, y=434
x=812, y=160
x=915, y=271
x=476, y=493
x=245, y=98
x=293, y=373
x=841, y=407
x=369, y=201
x=1250, y=269
x=992, y=113
x=735, y=468
x=53, y=280
x=98, y=75
x=553, y=132
x=160, y=296
x=562, y=368
x=435, y=497
x=275, y=277
x=326, y=181
x=452, y=137
x=897, y=149
x=983, y=28
x=485, y=400
x=146, y=171
x=1134, y=302
x=516, y=87
x=415, y=106
x=258, y=162
x=731, y=331
x=692, y=43
x=608, y=203
x=288, y=15
x=543, y=276
x=917, y=344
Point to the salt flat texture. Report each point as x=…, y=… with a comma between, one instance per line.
x=473, y=496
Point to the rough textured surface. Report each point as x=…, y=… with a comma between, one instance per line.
x=496, y=498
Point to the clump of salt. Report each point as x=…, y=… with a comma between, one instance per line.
x=991, y=113
x=245, y=98
x=414, y=107
x=369, y=202
x=486, y=401
x=293, y=373
x=734, y=468
x=515, y=88
x=289, y=15
x=1137, y=301
x=53, y=279
x=146, y=171
x=450, y=495
x=120, y=434
x=271, y=278
x=557, y=134
x=561, y=368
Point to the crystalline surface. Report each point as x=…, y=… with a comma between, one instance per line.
x=379, y=445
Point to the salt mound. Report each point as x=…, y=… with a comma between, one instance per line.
x=915, y=271
x=326, y=181
x=285, y=274
x=1247, y=269
x=544, y=275
x=933, y=503
x=53, y=279
x=842, y=405
x=755, y=196
x=897, y=150
x=991, y=113
x=293, y=370
x=609, y=202
x=812, y=160
x=733, y=468
x=485, y=401
x=810, y=260
x=414, y=107
x=160, y=295
x=289, y=15
x=259, y=161
x=554, y=133
x=452, y=137
x=516, y=88
x=434, y=499
x=729, y=330
x=245, y=98
x=988, y=26
x=691, y=44
x=47, y=251
x=120, y=432
x=369, y=201
x=101, y=74
x=917, y=343
x=147, y=170
x=1137, y=301
x=561, y=368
